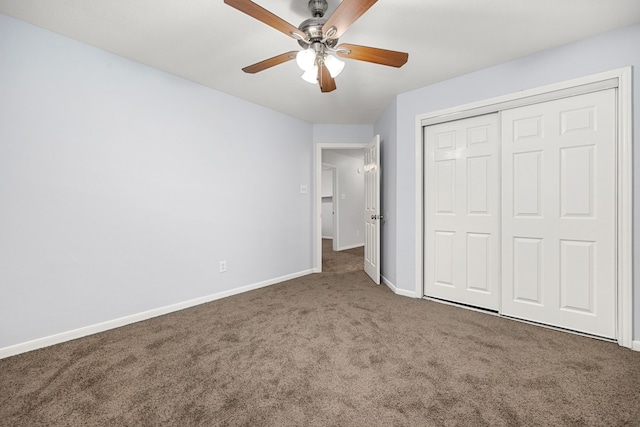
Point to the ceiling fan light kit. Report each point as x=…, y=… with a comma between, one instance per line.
x=306, y=59
x=334, y=65
x=311, y=75
x=318, y=36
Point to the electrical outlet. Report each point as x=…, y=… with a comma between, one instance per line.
x=223, y=266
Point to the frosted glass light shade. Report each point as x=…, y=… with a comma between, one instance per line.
x=311, y=75
x=334, y=65
x=306, y=59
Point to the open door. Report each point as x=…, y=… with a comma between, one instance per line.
x=372, y=215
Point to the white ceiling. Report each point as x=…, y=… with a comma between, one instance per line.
x=208, y=42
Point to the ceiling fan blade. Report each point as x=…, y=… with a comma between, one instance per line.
x=271, y=62
x=327, y=83
x=391, y=58
x=263, y=15
x=346, y=14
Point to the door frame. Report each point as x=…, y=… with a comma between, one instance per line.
x=621, y=79
x=317, y=200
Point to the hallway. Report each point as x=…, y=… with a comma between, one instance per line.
x=341, y=261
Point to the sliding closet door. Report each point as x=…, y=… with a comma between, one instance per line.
x=558, y=213
x=462, y=211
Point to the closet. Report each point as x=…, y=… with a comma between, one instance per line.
x=520, y=212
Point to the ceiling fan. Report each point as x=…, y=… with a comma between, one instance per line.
x=318, y=36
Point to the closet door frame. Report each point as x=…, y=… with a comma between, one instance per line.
x=619, y=79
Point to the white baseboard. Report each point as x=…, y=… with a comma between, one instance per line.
x=398, y=291
x=390, y=285
x=123, y=321
x=344, y=248
x=636, y=346
x=328, y=237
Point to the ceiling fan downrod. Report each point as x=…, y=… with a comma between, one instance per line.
x=318, y=8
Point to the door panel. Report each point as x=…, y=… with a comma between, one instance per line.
x=478, y=254
x=477, y=184
x=462, y=211
x=576, y=275
x=576, y=181
x=558, y=196
x=527, y=270
x=445, y=190
x=443, y=260
x=527, y=184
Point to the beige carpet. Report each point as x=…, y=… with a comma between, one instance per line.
x=329, y=349
x=341, y=261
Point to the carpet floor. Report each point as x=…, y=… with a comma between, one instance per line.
x=329, y=349
x=341, y=261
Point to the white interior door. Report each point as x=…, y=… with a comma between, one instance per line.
x=558, y=198
x=462, y=211
x=372, y=209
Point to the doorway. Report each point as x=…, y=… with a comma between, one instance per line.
x=347, y=198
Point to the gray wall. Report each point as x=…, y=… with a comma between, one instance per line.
x=122, y=187
x=348, y=134
x=327, y=203
x=597, y=54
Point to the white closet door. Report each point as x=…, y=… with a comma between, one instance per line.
x=558, y=213
x=462, y=211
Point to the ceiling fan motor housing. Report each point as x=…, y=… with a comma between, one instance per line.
x=312, y=27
